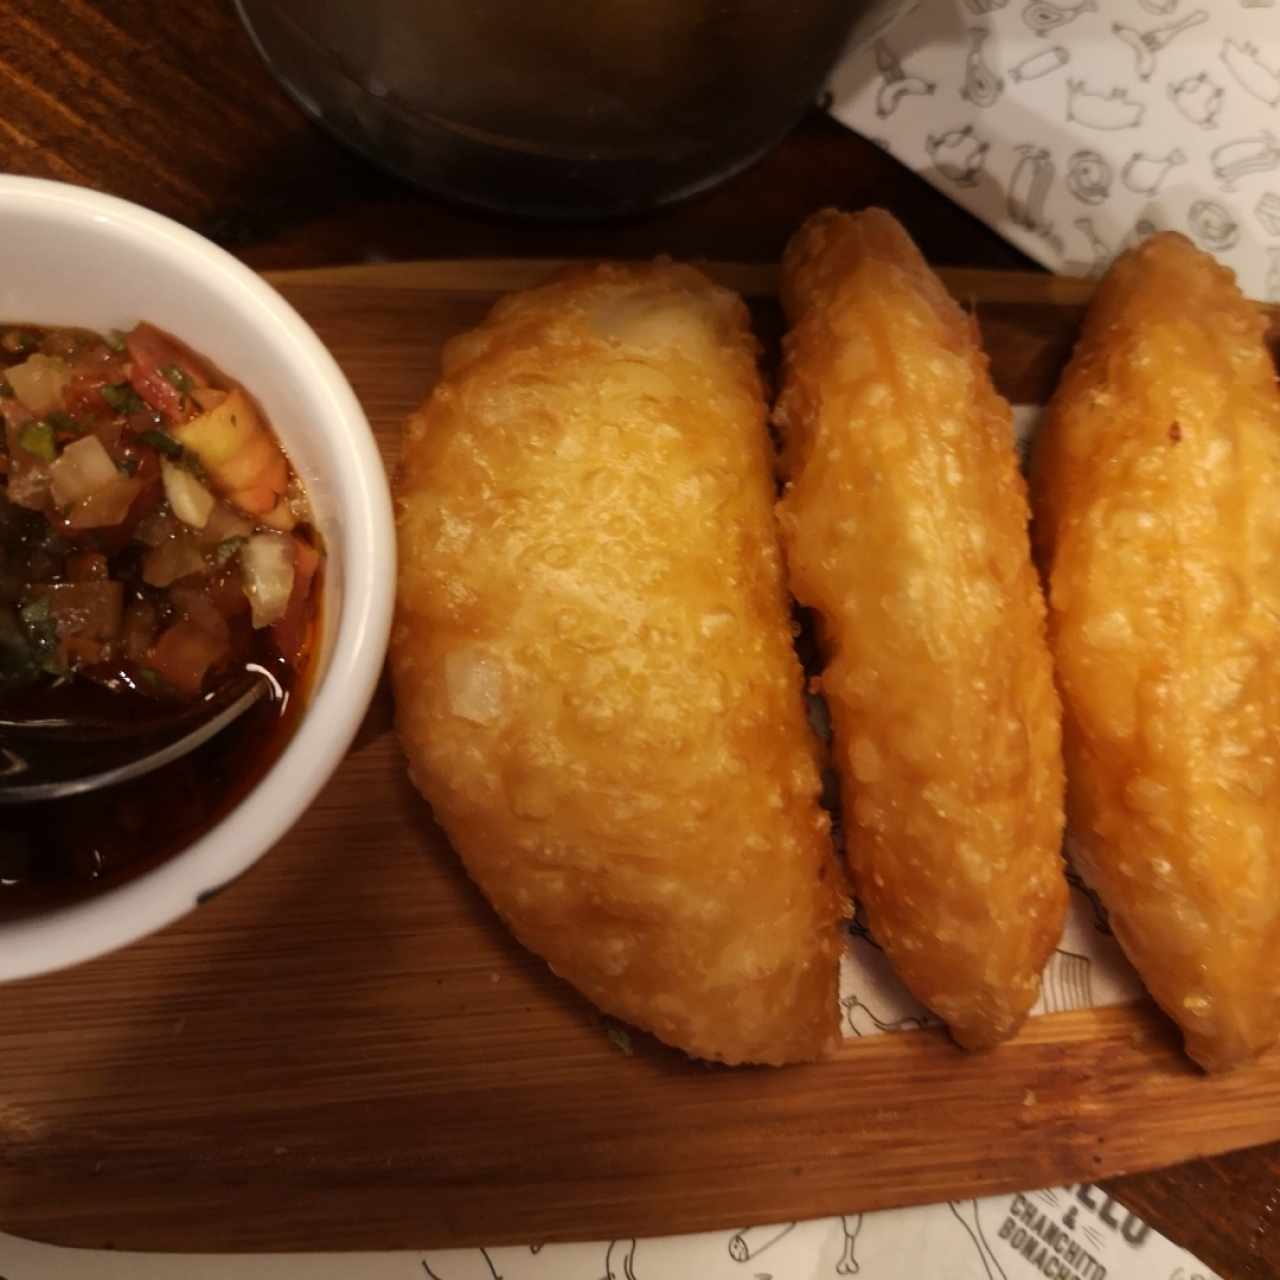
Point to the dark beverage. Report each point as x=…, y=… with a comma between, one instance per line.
x=557, y=107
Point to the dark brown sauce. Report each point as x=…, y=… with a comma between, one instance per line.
x=67, y=850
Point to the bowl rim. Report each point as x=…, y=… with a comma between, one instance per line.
x=79, y=931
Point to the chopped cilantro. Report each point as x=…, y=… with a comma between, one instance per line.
x=37, y=439
x=114, y=339
x=153, y=680
x=64, y=423
x=176, y=378
x=162, y=443
x=18, y=665
x=122, y=397
x=42, y=633
x=36, y=611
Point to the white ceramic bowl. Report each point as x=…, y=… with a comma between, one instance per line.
x=69, y=256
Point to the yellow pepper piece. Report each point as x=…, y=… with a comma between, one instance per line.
x=238, y=452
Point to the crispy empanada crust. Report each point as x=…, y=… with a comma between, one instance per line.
x=905, y=528
x=594, y=676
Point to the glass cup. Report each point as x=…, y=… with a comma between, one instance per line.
x=558, y=108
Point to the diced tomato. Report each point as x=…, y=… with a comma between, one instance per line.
x=184, y=654
x=97, y=368
x=87, y=566
x=13, y=413
x=193, y=603
x=149, y=498
x=139, y=631
x=292, y=634
x=87, y=616
x=153, y=356
x=81, y=651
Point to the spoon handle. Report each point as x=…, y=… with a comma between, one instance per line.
x=22, y=781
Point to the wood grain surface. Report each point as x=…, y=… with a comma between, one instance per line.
x=347, y=1050
x=165, y=102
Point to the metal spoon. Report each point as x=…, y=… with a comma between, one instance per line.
x=56, y=756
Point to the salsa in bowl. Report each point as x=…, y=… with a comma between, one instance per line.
x=188, y=490
x=155, y=546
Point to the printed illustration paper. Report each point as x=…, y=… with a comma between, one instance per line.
x=1073, y=127
x=1058, y=1233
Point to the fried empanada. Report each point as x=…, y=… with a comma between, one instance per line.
x=904, y=524
x=1156, y=478
x=592, y=661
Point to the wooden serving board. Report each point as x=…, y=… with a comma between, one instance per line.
x=346, y=1050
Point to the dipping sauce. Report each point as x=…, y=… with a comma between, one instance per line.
x=154, y=542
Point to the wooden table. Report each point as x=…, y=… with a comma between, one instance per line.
x=165, y=103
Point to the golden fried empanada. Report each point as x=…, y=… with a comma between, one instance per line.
x=905, y=528
x=592, y=660
x=1157, y=497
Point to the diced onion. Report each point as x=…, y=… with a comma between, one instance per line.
x=298, y=501
x=266, y=561
x=39, y=381
x=190, y=500
x=106, y=506
x=474, y=685
x=83, y=467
